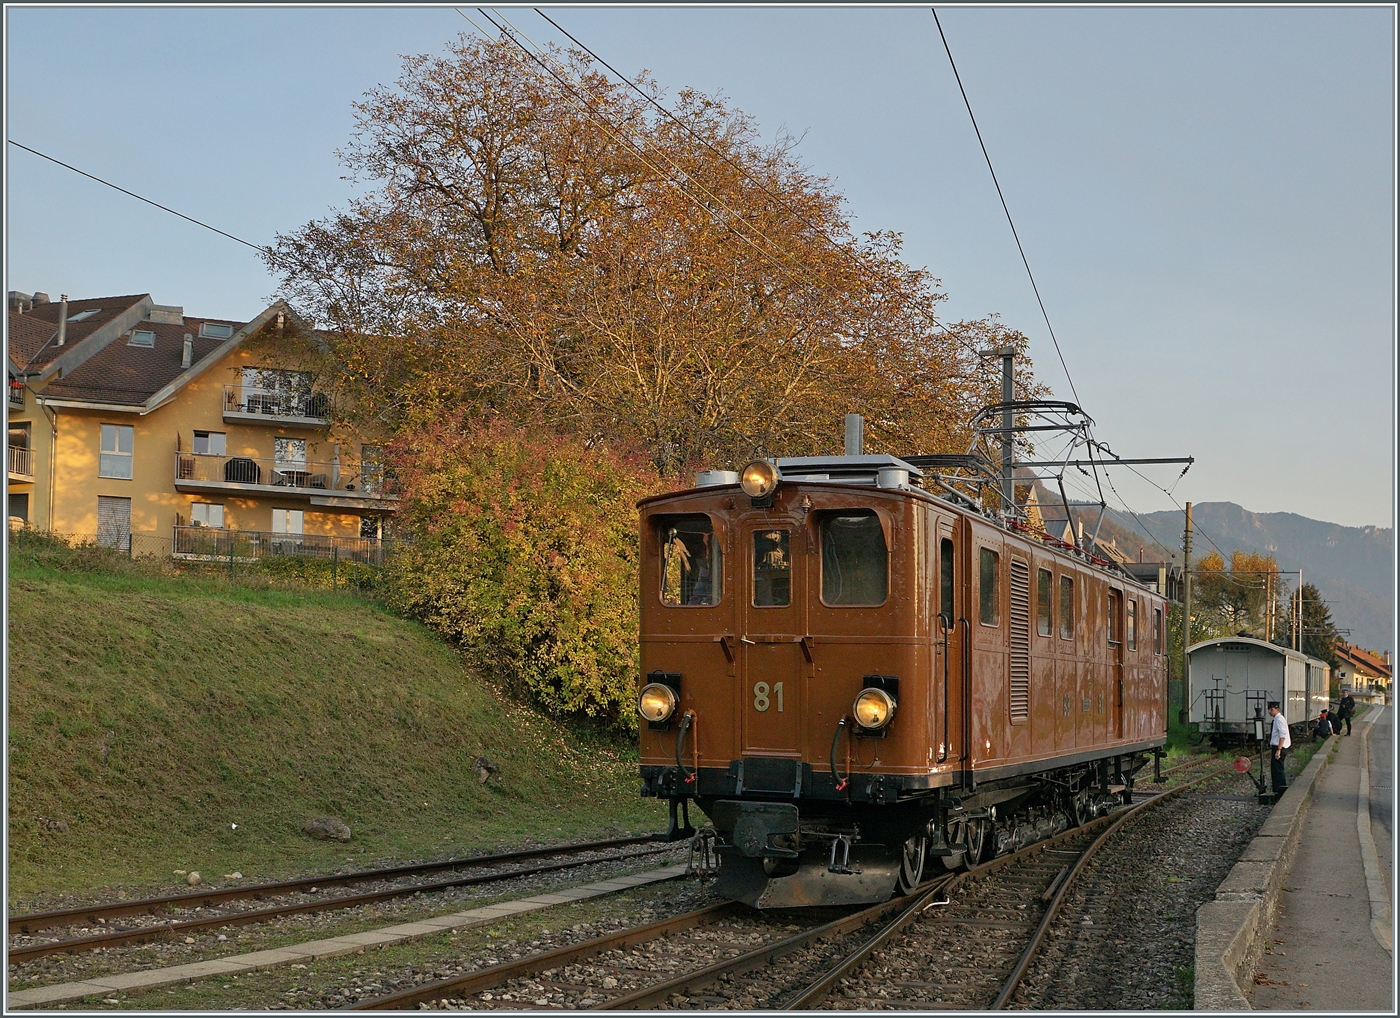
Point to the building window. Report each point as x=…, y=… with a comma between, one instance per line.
x=1115, y=600
x=84, y=314
x=989, y=603
x=289, y=452
x=286, y=521
x=369, y=527
x=146, y=339
x=117, y=443
x=1132, y=624
x=372, y=469
x=19, y=506
x=1044, y=593
x=206, y=514
x=1066, y=608
x=210, y=443
x=1157, y=630
x=211, y=330
x=114, y=522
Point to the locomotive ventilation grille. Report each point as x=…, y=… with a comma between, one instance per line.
x=1020, y=641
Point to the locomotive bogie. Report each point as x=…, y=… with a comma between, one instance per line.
x=903, y=677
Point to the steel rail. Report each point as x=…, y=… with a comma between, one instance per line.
x=115, y=938
x=33, y=921
x=818, y=990
x=1038, y=937
x=506, y=971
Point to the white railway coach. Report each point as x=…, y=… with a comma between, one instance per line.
x=1233, y=679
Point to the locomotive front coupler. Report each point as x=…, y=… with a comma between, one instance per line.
x=680, y=828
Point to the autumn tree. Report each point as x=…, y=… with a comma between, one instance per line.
x=1245, y=599
x=539, y=242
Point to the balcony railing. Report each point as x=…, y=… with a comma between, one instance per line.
x=363, y=480
x=17, y=394
x=218, y=544
x=250, y=405
x=21, y=461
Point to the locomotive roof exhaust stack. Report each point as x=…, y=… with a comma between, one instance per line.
x=855, y=435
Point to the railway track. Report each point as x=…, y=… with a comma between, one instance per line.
x=100, y=915
x=818, y=948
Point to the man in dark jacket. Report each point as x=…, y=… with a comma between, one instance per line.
x=1348, y=708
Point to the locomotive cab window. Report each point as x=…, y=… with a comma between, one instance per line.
x=855, y=561
x=988, y=594
x=1043, y=593
x=1066, y=608
x=945, y=578
x=692, y=563
x=772, y=569
x=1157, y=630
x=1115, y=624
x=1132, y=624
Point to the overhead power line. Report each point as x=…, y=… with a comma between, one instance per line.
x=1004, y=208
x=189, y=219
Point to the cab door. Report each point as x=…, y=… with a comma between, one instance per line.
x=948, y=648
x=772, y=653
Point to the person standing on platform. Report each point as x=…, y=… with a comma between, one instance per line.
x=1346, y=710
x=1280, y=742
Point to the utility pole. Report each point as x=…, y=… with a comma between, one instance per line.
x=1186, y=608
x=1008, y=422
x=1298, y=617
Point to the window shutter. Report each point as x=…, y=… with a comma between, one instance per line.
x=113, y=521
x=1020, y=641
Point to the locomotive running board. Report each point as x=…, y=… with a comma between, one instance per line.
x=743, y=879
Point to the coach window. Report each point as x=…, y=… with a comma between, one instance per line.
x=988, y=603
x=1115, y=599
x=692, y=564
x=1157, y=630
x=1043, y=593
x=772, y=569
x=855, y=561
x=1066, y=608
x=945, y=578
x=1132, y=624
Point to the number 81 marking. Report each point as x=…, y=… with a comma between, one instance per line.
x=760, y=696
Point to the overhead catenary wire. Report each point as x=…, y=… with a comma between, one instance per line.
x=1016, y=236
x=164, y=208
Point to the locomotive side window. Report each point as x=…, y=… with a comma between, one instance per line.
x=1157, y=630
x=1043, y=622
x=692, y=563
x=772, y=569
x=989, y=601
x=945, y=578
x=1132, y=624
x=1066, y=608
x=855, y=561
x=1115, y=599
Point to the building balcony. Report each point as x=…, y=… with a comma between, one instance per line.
x=17, y=394
x=339, y=484
x=246, y=405
x=217, y=544
x=21, y=464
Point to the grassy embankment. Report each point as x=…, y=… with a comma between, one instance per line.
x=153, y=713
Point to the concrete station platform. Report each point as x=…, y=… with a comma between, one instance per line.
x=1328, y=946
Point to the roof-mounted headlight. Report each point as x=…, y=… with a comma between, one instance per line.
x=759, y=479
x=873, y=709
x=656, y=702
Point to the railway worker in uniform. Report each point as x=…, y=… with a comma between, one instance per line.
x=1346, y=710
x=1280, y=741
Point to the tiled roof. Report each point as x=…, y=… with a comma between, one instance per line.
x=1364, y=659
x=31, y=333
x=130, y=375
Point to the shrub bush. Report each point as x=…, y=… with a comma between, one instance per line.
x=523, y=551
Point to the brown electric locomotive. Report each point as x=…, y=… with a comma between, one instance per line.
x=851, y=675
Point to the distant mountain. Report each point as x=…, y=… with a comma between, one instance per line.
x=1351, y=566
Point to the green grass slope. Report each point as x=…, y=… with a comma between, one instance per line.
x=153, y=714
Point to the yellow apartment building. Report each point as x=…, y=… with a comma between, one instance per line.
x=130, y=417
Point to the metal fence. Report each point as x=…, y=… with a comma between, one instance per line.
x=21, y=460
x=215, y=544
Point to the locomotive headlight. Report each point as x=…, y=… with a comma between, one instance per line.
x=759, y=479
x=873, y=709
x=656, y=702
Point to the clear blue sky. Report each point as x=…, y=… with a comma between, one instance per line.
x=1205, y=195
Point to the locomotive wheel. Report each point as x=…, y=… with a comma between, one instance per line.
x=1080, y=809
x=976, y=841
x=911, y=864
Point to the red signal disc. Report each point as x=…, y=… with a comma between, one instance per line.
x=1241, y=763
